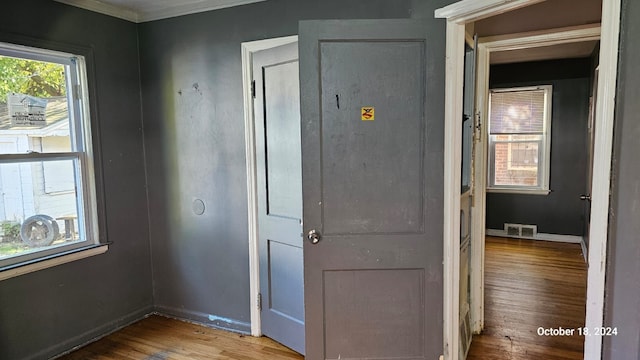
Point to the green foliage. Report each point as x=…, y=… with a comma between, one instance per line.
x=12, y=249
x=35, y=78
x=10, y=229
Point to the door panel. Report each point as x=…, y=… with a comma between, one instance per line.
x=374, y=154
x=277, y=125
x=282, y=139
x=351, y=296
x=373, y=283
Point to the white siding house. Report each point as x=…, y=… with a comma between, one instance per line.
x=39, y=187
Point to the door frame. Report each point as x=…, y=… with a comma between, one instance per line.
x=457, y=15
x=486, y=46
x=248, y=49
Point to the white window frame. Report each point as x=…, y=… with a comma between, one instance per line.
x=82, y=155
x=544, y=160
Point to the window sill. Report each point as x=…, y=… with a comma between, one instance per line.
x=519, y=191
x=51, y=261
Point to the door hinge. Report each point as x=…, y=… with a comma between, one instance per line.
x=259, y=302
x=253, y=89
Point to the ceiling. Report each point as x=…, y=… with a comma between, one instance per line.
x=149, y=10
x=549, y=14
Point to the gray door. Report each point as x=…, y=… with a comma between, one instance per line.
x=372, y=185
x=277, y=126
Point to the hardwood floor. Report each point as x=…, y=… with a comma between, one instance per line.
x=528, y=284
x=160, y=338
x=531, y=284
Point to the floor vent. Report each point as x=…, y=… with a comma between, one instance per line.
x=520, y=230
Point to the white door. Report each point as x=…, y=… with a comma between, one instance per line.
x=279, y=180
x=466, y=199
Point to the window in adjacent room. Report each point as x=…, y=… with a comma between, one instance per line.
x=519, y=139
x=47, y=186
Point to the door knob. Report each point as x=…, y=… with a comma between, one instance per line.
x=585, y=197
x=313, y=236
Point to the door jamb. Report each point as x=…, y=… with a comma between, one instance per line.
x=457, y=15
x=248, y=48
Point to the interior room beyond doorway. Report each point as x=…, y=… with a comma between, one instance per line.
x=529, y=285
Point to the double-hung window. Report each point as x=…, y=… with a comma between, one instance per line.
x=47, y=186
x=519, y=139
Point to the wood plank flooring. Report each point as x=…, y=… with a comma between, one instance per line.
x=531, y=284
x=160, y=338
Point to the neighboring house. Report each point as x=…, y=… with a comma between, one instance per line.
x=38, y=187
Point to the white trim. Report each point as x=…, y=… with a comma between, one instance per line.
x=603, y=144
x=248, y=48
x=518, y=191
x=186, y=9
x=469, y=40
x=545, y=165
x=572, y=239
x=144, y=16
x=59, y=260
x=452, y=177
x=530, y=39
x=469, y=10
x=585, y=250
x=478, y=214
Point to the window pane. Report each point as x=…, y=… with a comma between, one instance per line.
x=516, y=159
x=33, y=106
x=523, y=156
x=517, y=112
x=38, y=206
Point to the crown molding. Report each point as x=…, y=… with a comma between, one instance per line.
x=140, y=16
x=103, y=8
x=187, y=9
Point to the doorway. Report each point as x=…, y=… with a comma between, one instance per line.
x=458, y=15
x=272, y=131
x=542, y=103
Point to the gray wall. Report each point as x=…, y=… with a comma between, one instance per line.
x=194, y=138
x=622, y=307
x=52, y=310
x=560, y=212
x=201, y=263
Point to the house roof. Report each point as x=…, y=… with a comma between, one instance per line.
x=56, y=120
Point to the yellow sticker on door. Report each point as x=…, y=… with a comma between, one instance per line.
x=368, y=113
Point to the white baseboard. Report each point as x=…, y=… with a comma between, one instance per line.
x=539, y=236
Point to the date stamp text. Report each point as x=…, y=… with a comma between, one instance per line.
x=581, y=331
